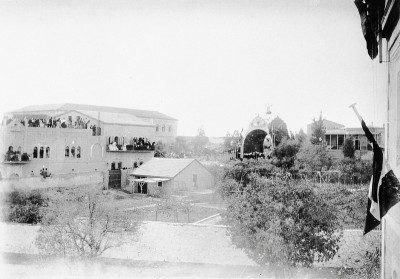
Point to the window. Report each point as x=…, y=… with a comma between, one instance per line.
x=159, y=183
x=78, y=152
x=47, y=152
x=163, y=128
x=194, y=178
x=73, y=151
x=35, y=152
x=41, y=152
x=169, y=128
x=19, y=150
x=112, y=166
x=67, y=151
x=157, y=128
x=119, y=165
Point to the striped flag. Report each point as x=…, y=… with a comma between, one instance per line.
x=384, y=189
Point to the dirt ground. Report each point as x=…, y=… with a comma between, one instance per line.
x=159, y=250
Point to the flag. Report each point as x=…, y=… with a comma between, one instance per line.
x=370, y=14
x=384, y=188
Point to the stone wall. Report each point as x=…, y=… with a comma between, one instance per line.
x=62, y=180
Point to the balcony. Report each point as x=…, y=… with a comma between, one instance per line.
x=15, y=158
x=130, y=148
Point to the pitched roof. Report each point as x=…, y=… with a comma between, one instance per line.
x=81, y=107
x=332, y=125
x=162, y=167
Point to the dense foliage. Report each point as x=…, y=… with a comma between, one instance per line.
x=282, y=222
x=24, y=207
x=318, y=131
x=313, y=158
x=348, y=148
x=284, y=155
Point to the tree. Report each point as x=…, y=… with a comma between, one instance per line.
x=313, y=158
x=82, y=223
x=279, y=130
x=180, y=147
x=301, y=136
x=348, y=148
x=200, y=141
x=282, y=223
x=284, y=155
x=318, y=131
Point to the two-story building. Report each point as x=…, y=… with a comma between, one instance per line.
x=79, y=138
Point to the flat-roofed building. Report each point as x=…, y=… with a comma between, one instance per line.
x=78, y=138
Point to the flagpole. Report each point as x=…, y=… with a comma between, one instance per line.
x=353, y=106
x=382, y=221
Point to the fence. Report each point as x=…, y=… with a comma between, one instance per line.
x=315, y=176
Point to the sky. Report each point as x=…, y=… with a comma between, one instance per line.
x=214, y=64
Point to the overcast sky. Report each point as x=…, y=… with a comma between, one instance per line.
x=210, y=63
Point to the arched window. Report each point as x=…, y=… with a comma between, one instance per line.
x=116, y=140
x=67, y=151
x=35, y=152
x=41, y=152
x=19, y=150
x=47, y=152
x=78, y=152
x=73, y=151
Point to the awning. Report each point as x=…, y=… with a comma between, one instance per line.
x=151, y=180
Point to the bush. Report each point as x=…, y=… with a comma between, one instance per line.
x=354, y=170
x=349, y=201
x=82, y=222
x=313, y=158
x=283, y=223
x=25, y=207
x=284, y=155
x=348, y=148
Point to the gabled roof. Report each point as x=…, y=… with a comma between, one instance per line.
x=81, y=107
x=162, y=167
x=111, y=118
x=332, y=125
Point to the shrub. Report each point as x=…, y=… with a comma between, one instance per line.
x=283, y=223
x=25, y=207
x=313, y=158
x=284, y=155
x=83, y=223
x=348, y=148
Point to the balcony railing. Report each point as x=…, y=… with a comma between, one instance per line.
x=12, y=157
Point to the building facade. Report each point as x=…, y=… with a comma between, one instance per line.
x=336, y=135
x=390, y=32
x=170, y=176
x=62, y=139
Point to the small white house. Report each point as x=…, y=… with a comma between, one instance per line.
x=170, y=175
